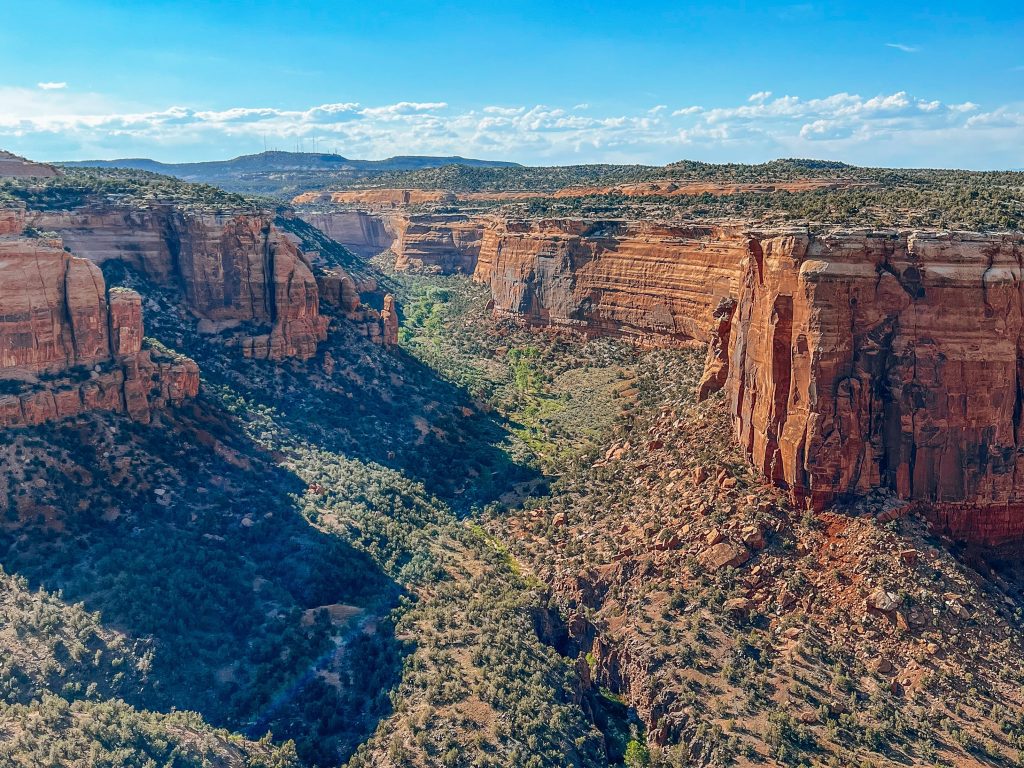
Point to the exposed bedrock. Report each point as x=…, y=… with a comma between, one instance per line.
x=442, y=243
x=445, y=243
x=862, y=360
x=67, y=346
x=853, y=361
x=365, y=233
x=656, y=283
x=231, y=268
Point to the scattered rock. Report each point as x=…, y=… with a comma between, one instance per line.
x=724, y=555
x=883, y=601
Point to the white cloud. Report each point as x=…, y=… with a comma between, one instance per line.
x=52, y=86
x=903, y=47
x=888, y=128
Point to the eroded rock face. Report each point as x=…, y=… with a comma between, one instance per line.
x=66, y=347
x=861, y=360
x=12, y=221
x=435, y=242
x=652, y=282
x=230, y=268
x=852, y=361
x=383, y=197
x=389, y=321
x=362, y=232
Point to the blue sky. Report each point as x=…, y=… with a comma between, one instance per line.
x=884, y=83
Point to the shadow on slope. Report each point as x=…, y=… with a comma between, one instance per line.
x=355, y=399
x=185, y=535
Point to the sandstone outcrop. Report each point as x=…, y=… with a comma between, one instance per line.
x=652, y=282
x=342, y=291
x=13, y=165
x=12, y=221
x=67, y=347
x=446, y=243
x=232, y=269
x=389, y=320
x=362, y=232
x=863, y=360
x=435, y=242
x=387, y=198
x=853, y=361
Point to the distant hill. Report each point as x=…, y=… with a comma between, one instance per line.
x=281, y=173
x=17, y=166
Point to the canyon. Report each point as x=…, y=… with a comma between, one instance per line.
x=68, y=345
x=853, y=360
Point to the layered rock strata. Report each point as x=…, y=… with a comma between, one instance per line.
x=383, y=197
x=67, y=347
x=232, y=269
x=446, y=243
x=852, y=361
x=652, y=282
x=443, y=243
x=362, y=232
x=860, y=360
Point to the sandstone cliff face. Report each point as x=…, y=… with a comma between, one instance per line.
x=386, y=198
x=447, y=244
x=652, y=282
x=12, y=221
x=852, y=361
x=362, y=232
x=230, y=268
x=66, y=347
x=436, y=242
x=861, y=360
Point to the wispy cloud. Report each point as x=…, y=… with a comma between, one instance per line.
x=52, y=86
x=887, y=128
x=904, y=47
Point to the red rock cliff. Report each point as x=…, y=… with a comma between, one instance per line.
x=362, y=232
x=445, y=243
x=852, y=361
x=231, y=268
x=66, y=347
x=861, y=360
x=657, y=283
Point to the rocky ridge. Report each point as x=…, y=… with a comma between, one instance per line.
x=68, y=346
x=239, y=273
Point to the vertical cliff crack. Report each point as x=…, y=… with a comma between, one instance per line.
x=68, y=317
x=268, y=277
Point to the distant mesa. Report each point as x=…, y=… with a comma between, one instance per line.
x=237, y=173
x=12, y=165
